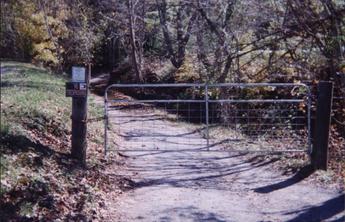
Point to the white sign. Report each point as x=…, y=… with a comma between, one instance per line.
x=78, y=74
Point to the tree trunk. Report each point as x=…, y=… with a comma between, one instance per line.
x=182, y=37
x=135, y=52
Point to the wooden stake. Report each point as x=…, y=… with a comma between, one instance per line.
x=323, y=121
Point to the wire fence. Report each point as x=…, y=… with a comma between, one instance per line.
x=199, y=117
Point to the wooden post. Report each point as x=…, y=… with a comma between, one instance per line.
x=88, y=76
x=79, y=129
x=323, y=121
x=79, y=126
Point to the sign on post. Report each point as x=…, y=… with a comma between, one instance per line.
x=77, y=87
x=78, y=74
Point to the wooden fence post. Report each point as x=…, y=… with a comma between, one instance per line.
x=79, y=125
x=319, y=155
x=79, y=129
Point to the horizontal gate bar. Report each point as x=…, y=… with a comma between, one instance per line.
x=257, y=101
x=210, y=150
x=211, y=101
x=156, y=101
x=204, y=84
x=156, y=85
x=255, y=84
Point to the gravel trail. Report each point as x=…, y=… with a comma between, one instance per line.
x=176, y=180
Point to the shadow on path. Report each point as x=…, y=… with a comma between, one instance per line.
x=327, y=210
x=302, y=174
x=191, y=213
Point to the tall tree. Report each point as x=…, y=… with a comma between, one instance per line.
x=219, y=27
x=323, y=22
x=183, y=22
x=136, y=24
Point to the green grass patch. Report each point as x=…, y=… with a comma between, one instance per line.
x=32, y=96
x=36, y=170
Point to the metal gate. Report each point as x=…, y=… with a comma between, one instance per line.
x=250, y=117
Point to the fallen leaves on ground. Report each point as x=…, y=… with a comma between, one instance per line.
x=41, y=182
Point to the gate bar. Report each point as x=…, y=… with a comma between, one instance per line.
x=106, y=122
x=203, y=84
x=206, y=149
x=206, y=116
x=256, y=84
x=157, y=101
x=209, y=100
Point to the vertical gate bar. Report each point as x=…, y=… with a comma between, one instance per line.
x=177, y=109
x=310, y=148
x=206, y=115
x=188, y=113
x=105, y=123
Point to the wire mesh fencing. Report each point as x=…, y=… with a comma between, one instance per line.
x=208, y=117
x=262, y=117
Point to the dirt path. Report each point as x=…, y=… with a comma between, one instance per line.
x=193, y=185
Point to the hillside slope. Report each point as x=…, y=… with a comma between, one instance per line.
x=39, y=180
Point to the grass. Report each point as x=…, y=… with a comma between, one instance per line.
x=32, y=97
x=39, y=180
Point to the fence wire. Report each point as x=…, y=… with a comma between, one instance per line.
x=199, y=117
